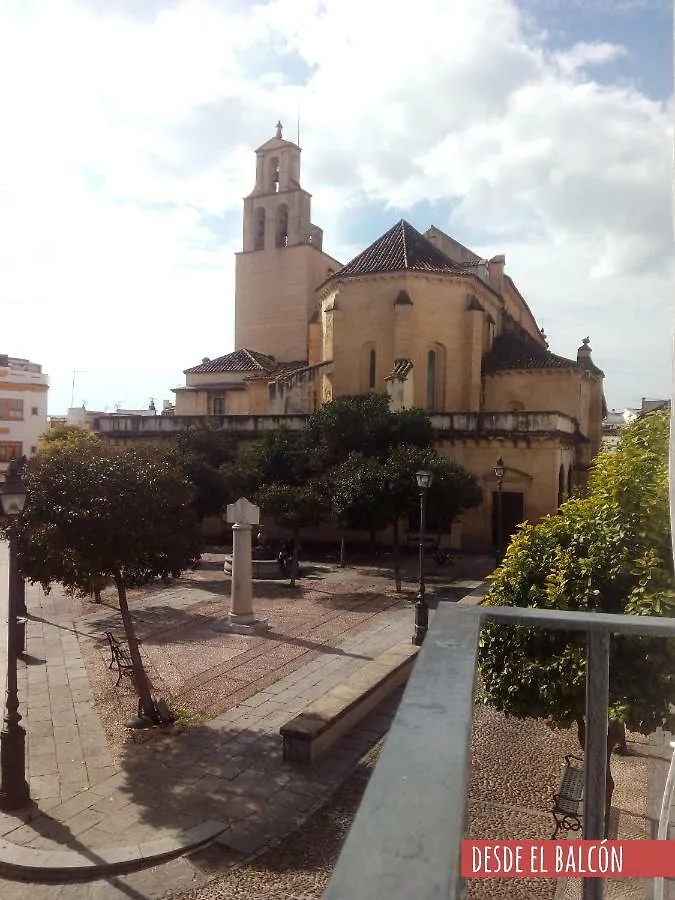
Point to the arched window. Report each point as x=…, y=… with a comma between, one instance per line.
x=259, y=237
x=367, y=367
x=431, y=379
x=570, y=483
x=372, y=368
x=274, y=175
x=282, y=227
x=561, y=485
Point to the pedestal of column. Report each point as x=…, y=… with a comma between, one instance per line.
x=241, y=618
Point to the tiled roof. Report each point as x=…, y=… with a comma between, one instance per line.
x=515, y=351
x=239, y=361
x=401, y=249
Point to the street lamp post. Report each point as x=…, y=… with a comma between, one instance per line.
x=500, y=471
x=424, y=479
x=14, y=791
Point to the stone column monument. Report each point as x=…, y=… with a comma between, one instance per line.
x=241, y=619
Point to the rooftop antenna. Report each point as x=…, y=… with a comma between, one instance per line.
x=298, y=125
x=72, y=390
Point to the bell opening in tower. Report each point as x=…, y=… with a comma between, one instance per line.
x=282, y=227
x=274, y=175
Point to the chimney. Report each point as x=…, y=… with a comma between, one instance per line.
x=496, y=272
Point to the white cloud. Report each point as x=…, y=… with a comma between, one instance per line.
x=582, y=55
x=131, y=126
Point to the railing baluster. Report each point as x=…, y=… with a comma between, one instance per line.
x=595, y=751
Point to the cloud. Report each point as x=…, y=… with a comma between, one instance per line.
x=582, y=55
x=131, y=136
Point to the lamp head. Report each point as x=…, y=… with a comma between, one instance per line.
x=424, y=479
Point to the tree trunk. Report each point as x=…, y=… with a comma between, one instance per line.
x=294, y=559
x=621, y=747
x=342, y=551
x=140, y=678
x=397, y=559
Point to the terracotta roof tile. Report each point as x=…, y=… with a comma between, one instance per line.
x=514, y=351
x=239, y=361
x=400, y=249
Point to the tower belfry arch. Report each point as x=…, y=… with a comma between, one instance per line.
x=282, y=261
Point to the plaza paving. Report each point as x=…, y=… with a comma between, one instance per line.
x=107, y=793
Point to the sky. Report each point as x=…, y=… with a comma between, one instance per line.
x=540, y=129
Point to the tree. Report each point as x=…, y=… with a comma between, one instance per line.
x=358, y=496
x=278, y=457
x=374, y=494
x=93, y=513
x=277, y=472
x=365, y=425
x=293, y=507
x=605, y=552
x=452, y=491
x=205, y=455
x=59, y=437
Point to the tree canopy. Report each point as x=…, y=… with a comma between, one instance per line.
x=365, y=425
x=605, y=552
x=355, y=460
x=375, y=493
x=93, y=513
x=205, y=455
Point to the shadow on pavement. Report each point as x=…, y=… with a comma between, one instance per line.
x=237, y=776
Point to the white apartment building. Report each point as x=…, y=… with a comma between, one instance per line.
x=23, y=408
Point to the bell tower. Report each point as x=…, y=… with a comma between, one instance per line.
x=282, y=262
x=277, y=211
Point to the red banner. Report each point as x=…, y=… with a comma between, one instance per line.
x=568, y=859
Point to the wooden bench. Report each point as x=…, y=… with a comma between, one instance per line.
x=120, y=656
x=568, y=802
x=325, y=720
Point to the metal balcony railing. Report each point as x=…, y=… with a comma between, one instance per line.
x=405, y=840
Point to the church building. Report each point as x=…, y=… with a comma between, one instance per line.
x=419, y=316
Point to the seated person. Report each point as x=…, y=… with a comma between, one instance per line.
x=285, y=556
